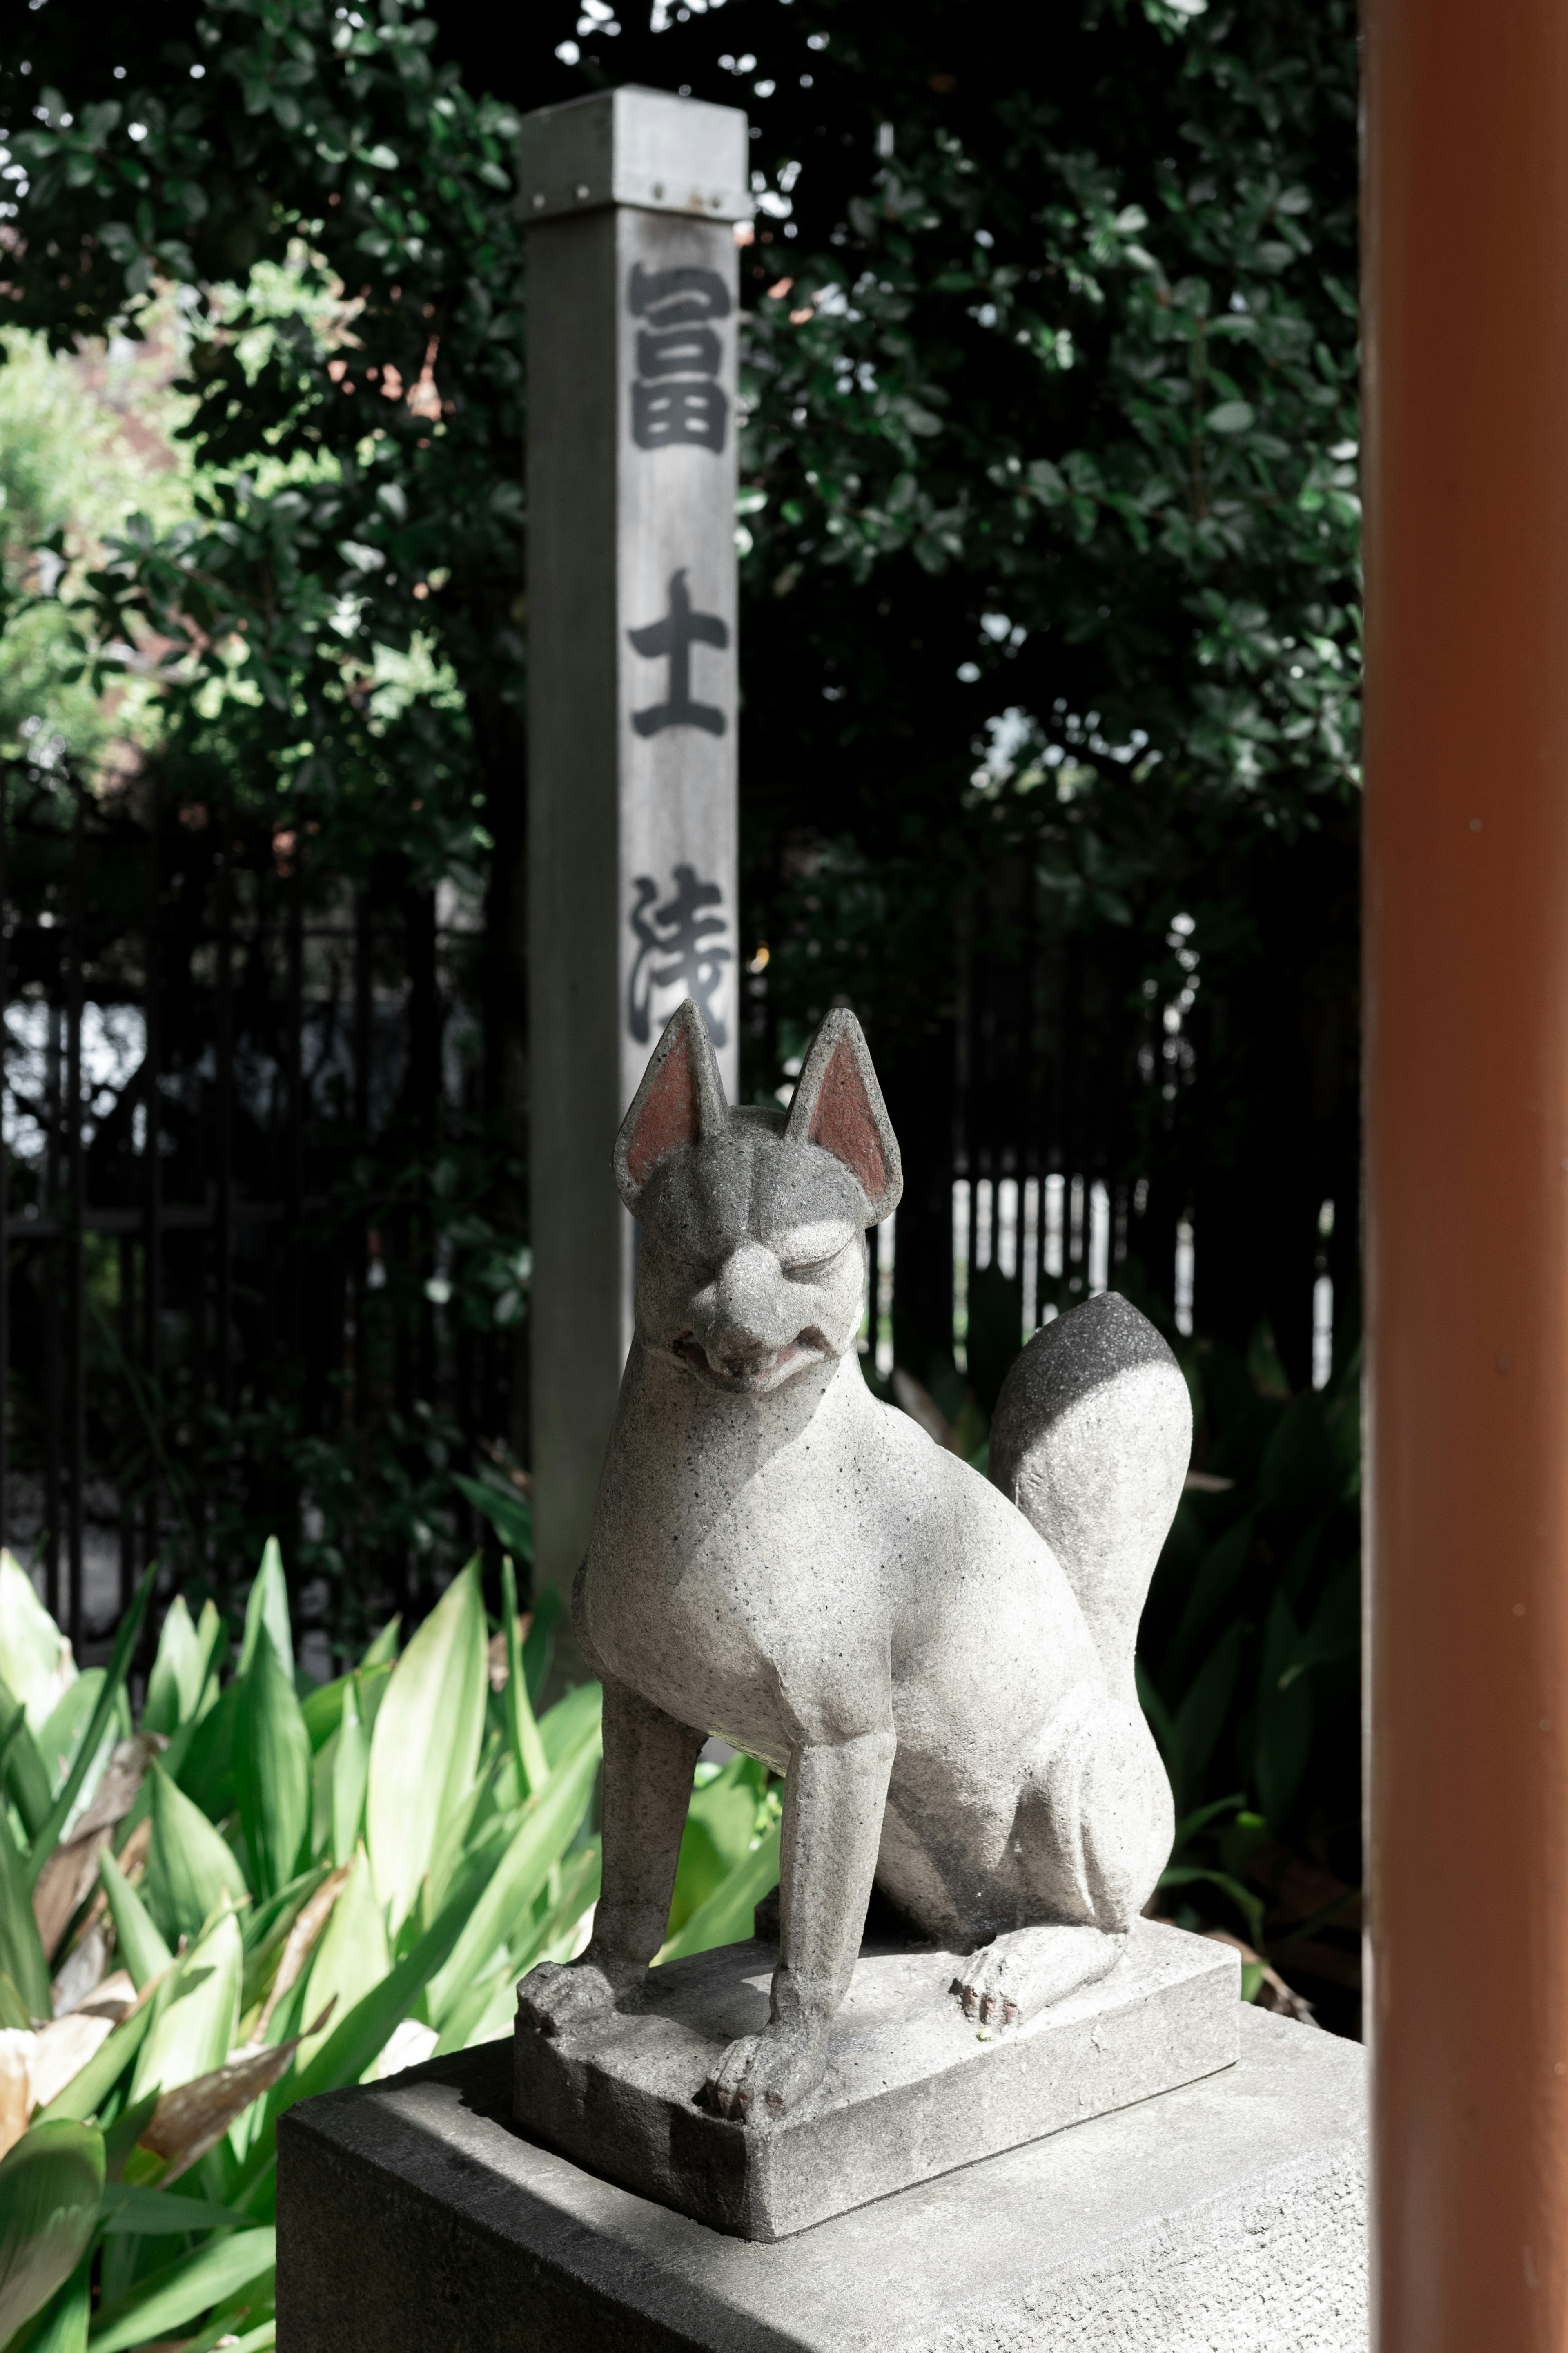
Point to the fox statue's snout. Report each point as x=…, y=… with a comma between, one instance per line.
x=746, y=1329
x=751, y=1267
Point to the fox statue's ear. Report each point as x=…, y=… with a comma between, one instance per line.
x=838, y=1105
x=680, y=1100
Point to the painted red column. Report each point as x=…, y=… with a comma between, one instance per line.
x=1467, y=1032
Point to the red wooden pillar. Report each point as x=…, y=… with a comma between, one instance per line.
x=1467, y=868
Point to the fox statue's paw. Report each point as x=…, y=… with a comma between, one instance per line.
x=557, y=1995
x=763, y=2074
x=1021, y=1973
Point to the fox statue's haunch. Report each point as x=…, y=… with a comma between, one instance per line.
x=941, y=1667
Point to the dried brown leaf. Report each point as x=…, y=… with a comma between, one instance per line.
x=313, y=1919
x=186, y=2123
x=15, y=2073
x=68, y=1877
x=1274, y=1993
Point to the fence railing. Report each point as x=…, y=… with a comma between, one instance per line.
x=264, y=1243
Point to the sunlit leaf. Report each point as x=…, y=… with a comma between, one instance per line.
x=21, y=1949
x=108, y=1701
x=353, y=1955
x=545, y=1827
x=726, y=1917
x=267, y=1603
x=196, y=2013
x=351, y=1773
x=425, y=1744
x=86, y=2092
x=175, y=1685
x=36, y=1660
x=172, y=2298
x=190, y=1870
x=142, y=1947
x=271, y=1768
x=128, y=2210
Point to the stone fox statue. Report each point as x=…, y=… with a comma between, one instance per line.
x=940, y=1667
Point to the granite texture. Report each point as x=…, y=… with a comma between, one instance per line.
x=942, y=1672
x=912, y=2089
x=1227, y=2217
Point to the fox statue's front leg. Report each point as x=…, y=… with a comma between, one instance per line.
x=834, y=1798
x=649, y=1759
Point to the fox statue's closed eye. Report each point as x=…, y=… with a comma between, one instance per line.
x=941, y=1667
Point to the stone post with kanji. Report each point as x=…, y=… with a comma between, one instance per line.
x=631, y=198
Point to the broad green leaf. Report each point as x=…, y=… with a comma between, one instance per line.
x=26, y=1777
x=726, y=1917
x=523, y=1732
x=351, y=1956
x=580, y=1878
x=358, y=2039
x=190, y=1870
x=89, y=2089
x=566, y=1724
x=324, y=1708
x=425, y=1744
x=62, y=2326
x=1199, y=1719
x=271, y=1768
x=198, y=2013
x=486, y=2012
x=203, y=1766
x=1285, y=1713
x=543, y=1834
x=16, y=2018
x=50, y=2183
x=383, y=1651
x=22, y=1954
x=1248, y=1903
x=109, y=1700
x=172, y=2298
x=539, y=1647
x=179, y=1672
x=351, y=1772
x=1217, y=1578
x=62, y=1736
x=509, y=1511
x=144, y=1951
x=720, y=1823
x=35, y=1657
x=141, y=2212
x=267, y=1603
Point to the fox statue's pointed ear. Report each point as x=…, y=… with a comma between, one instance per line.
x=838, y=1105
x=680, y=1100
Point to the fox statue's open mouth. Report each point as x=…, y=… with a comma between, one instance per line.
x=762, y=1372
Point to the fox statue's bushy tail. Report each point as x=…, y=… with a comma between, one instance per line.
x=1091, y=1438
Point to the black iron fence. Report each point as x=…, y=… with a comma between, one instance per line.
x=262, y=1252
x=264, y=1232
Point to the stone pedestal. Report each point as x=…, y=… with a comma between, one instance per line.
x=1225, y=2217
x=913, y=2088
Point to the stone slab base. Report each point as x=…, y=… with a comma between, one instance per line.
x=1226, y=2217
x=912, y=2089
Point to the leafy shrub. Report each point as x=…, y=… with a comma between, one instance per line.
x=272, y=1888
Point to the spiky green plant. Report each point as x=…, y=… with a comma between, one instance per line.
x=267, y=1889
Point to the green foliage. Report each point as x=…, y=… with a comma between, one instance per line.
x=478, y=1863
x=50, y=2185
x=1249, y=1652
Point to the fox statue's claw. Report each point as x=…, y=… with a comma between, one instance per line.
x=1019, y=1974
x=763, y=2074
x=557, y=1995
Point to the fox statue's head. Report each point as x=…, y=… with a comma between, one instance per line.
x=753, y=1260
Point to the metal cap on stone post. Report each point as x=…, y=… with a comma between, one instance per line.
x=631, y=196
